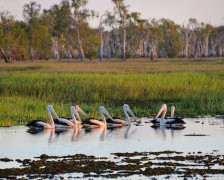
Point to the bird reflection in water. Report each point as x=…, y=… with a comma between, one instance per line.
x=126, y=133
x=162, y=130
x=76, y=134
x=102, y=132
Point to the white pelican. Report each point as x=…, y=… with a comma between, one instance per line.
x=92, y=122
x=168, y=122
x=119, y=120
x=39, y=124
x=74, y=113
x=62, y=122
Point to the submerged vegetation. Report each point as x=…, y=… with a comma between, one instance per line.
x=24, y=94
x=143, y=164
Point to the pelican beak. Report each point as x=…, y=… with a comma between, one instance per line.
x=51, y=109
x=78, y=109
x=130, y=111
x=103, y=110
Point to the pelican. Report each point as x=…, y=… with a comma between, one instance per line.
x=168, y=122
x=39, y=124
x=76, y=123
x=126, y=122
x=62, y=122
x=92, y=122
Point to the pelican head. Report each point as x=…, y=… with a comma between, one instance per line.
x=104, y=111
x=163, y=106
x=78, y=109
x=127, y=109
x=162, y=109
x=50, y=109
x=75, y=115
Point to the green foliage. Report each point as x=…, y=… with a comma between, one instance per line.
x=27, y=94
x=41, y=41
x=171, y=44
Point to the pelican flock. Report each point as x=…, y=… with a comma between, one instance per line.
x=76, y=122
x=93, y=122
x=168, y=122
x=117, y=120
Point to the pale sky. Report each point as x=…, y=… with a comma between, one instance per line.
x=208, y=11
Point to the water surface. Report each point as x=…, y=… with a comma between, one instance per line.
x=16, y=142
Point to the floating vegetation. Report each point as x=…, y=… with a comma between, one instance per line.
x=194, y=134
x=143, y=164
x=5, y=160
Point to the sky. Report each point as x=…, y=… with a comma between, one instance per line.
x=207, y=11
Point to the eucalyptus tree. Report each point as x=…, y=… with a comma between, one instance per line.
x=122, y=23
x=6, y=21
x=205, y=34
x=171, y=44
x=217, y=41
x=102, y=21
x=151, y=32
x=31, y=12
x=58, y=19
x=13, y=38
x=120, y=11
x=187, y=33
x=79, y=14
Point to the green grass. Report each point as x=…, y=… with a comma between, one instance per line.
x=24, y=95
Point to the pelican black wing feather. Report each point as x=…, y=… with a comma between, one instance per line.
x=112, y=122
x=35, y=123
x=56, y=121
x=177, y=120
x=87, y=121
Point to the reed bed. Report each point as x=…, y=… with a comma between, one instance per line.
x=24, y=95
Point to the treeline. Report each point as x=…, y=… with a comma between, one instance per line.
x=63, y=32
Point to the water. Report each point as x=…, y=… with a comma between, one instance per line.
x=17, y=143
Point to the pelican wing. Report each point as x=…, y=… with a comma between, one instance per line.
x=115, y=120
x=97, y=122
x=37, y=124
x=34, y=122
x=176, y=120
x=93, y=121
x=63, y=122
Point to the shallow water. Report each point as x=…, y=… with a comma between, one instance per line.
x=16, y=142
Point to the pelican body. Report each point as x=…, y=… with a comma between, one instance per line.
x=39, y=124
x=62, y=122
x=74, y=113
x=93, y=122
x=117, y=120
x=167, y=122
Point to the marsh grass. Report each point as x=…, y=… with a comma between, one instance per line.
x=24, y=95
x=117, y=66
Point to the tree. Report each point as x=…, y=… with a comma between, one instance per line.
x=31, y=13
x=206, y=31
x=187, y=32
x=101, y=36
x=171, y=44
x=79, y=15
x=122, y=10
x=151, y=32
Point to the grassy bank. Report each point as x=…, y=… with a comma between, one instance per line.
x=25, y=95
x=116, y=65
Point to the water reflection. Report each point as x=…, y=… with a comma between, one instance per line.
x=76, y=134
x=162, y=131
x=18, y=142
